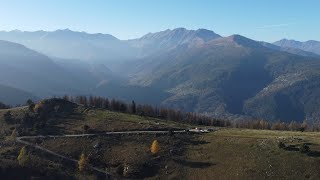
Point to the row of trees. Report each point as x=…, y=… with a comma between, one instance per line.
x=4, y=106
x=265, y=125
x=170, y=114
x=189, y=117
x=147, y=110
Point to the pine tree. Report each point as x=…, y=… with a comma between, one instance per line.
x=29, y=102
x=155, y=147
x=23, y=157
x=83, y=162
x=133, y=108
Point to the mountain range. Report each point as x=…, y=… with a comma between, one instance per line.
x=192, y=70
x=309, y=46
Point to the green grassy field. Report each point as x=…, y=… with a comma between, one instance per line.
x=223, y=154
x=254, y=154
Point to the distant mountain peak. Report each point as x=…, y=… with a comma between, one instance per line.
x=309, y=46
x=240, y=40
x=16, y=31
x=64, y=30
x=181, y=31
x=170, y=39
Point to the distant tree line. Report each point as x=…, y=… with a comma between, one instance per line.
x=186, y=117
x=146, y=110
x=161, y=113
x=4, y=106
x=283, y=126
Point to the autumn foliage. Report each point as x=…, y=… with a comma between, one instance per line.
x=155, y=147
x=23, y=157
x=83, y=162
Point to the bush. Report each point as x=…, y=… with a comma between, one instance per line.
x=304, y=148
x=85, y=128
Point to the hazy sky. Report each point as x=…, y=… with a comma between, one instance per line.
x=267, y=20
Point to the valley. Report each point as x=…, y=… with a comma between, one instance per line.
x=162, y=89
x=199, y=71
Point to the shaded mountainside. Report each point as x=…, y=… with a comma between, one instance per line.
x=31, y=71
x=13, y=96
x=235, y=75
x=164, y=41
x=28, y=70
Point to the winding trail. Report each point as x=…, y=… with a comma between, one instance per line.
x=22, y=140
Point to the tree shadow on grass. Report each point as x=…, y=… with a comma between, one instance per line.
x=309, y=144
x=292, y=148
x=314, y=154
x=194, y=164
x=197, y=142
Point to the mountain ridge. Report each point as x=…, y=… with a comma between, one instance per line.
x=310, y=45
x=226, y=74
x=191, y=70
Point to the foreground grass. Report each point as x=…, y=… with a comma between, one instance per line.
x=253, y=154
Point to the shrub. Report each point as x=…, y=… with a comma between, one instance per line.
x=155, y=147
x=85, y=128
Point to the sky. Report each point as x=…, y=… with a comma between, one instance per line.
x=266, y=20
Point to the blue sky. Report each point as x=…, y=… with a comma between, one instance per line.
x=267, y=20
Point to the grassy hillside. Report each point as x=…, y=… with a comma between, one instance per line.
x=62, y=117
x=254, y=154
x=224, y=154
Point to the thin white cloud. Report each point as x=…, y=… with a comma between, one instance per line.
x=44, y=35
x=274, y=26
